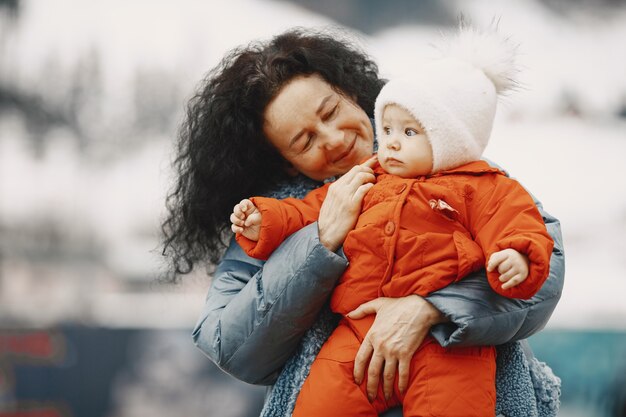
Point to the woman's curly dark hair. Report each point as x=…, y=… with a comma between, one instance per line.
x=223, y=154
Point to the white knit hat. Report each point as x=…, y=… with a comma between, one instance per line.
x=454, y=97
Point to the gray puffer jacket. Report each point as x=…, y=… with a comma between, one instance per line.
x=256, y=312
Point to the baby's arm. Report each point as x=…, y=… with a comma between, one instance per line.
x=246, y=220
x=512, y=266
x=505, y=217
x=267, y=222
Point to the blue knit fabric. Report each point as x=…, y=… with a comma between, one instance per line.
x=296, y=187
x=515, y=396
x=547, y=388
x=281, y=398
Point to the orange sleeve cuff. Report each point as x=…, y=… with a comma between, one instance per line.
x=272, y=229
x=538, y=248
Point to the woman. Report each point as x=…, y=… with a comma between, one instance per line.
x=276, y=118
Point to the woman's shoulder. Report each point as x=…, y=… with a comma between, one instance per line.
x=495, y=165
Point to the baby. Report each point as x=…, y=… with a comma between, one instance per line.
x=435, y=213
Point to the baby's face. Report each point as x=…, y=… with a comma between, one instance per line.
x=403, y=148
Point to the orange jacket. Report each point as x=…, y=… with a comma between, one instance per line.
x=417, y=235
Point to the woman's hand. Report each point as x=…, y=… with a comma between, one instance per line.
x=400, y=326
x=342, y=205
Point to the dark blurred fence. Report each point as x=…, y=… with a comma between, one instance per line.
x=96, y=372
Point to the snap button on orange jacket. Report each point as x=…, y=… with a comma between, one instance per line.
x=390, y=228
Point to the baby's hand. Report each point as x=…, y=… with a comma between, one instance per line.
x=246, y=220
x=512, y=266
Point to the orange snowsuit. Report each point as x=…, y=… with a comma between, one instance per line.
x=415, y=236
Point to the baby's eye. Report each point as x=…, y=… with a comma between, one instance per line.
x=410, y=132
x=386, y=130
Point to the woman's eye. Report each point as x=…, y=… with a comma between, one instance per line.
x=309, y=142
x=410, y=132
x=330, y=114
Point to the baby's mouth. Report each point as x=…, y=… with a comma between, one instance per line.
x=393, y=161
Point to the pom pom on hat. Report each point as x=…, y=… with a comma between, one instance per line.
x=486, y=50
x=454, y=98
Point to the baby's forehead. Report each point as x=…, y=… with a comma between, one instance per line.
x=398, y=113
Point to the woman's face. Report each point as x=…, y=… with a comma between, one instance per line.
x=321, y=132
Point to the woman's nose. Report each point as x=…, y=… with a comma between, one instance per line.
x=331, y=138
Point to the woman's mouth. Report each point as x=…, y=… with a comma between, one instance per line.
x=346, y=152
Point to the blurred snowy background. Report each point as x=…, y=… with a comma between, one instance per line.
x=91, y=93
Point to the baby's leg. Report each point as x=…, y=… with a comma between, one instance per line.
x=452, y=382
x=330, y=390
